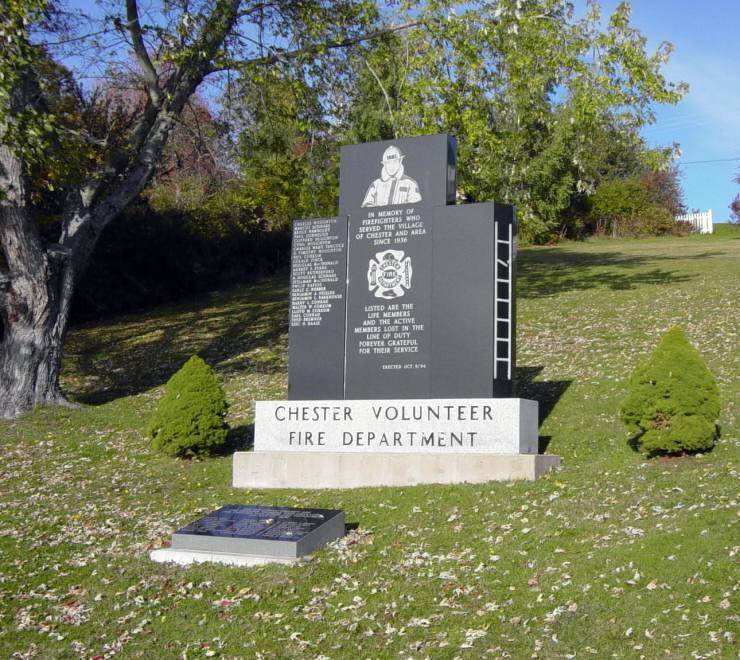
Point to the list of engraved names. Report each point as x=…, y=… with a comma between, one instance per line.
x=315, y=282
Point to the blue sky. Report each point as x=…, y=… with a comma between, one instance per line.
x=707, y=122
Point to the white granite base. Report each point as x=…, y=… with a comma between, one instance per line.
x=290, y=469
x=187, y=557
x=417, y=426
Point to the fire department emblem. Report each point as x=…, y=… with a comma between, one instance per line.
x=389, y=274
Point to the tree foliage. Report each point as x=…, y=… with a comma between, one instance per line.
x=529, y=88
x=283, y=146
x=41, y=105
x=545, y=104
x=103, y=151
x=525, y=85
x=735, y=209
x=619, y=199
x=735, y=205
x=644, y=204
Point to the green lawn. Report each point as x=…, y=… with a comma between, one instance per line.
x=612, y=555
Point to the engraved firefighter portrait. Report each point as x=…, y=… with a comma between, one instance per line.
x=393, y=186
x=389, y=274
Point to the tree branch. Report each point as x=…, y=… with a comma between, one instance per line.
x=80, y=37
x=260, y=6
x=191, y=72
x=385, y=95
x=137, y=41
x=315, y=49
x=91, y=208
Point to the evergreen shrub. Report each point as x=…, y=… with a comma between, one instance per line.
x=672, y=404
x=189, y=419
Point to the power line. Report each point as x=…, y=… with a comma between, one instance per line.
x=716, y=160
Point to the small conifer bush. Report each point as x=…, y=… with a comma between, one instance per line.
x=189, y=419
x=672, y=403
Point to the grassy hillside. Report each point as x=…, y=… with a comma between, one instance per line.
x=613, y=554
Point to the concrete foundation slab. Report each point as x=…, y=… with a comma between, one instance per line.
x=187, y=557
x=277, y=469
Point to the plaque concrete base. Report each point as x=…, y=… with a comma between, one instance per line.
x=187, y=557
x=280, y=469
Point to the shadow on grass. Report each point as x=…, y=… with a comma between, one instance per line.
x=549, y=272
x=240, y=438
x=243, y=330
x=546, y=393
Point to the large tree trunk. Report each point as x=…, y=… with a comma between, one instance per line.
x=35, y=294
x=35, y=320
x=37, y=284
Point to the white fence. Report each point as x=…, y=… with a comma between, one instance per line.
x=702, y=222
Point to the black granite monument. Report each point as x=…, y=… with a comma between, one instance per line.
x=404, y=295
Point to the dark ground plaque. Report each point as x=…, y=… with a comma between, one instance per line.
x=281, y=532
x=405, y=295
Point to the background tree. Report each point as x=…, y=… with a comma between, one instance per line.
x=664, y=188
x=375, y=90
x=529, y=93
x=116, y=153
x=616, y=202
x=545, y=105
x=735, y=206
x=616, y=155
x=283, y=146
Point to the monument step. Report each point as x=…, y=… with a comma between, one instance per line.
x=313, y=470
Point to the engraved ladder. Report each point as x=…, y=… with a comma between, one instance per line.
x=503, y=300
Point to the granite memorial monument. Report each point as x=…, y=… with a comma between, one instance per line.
x=402, y=336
